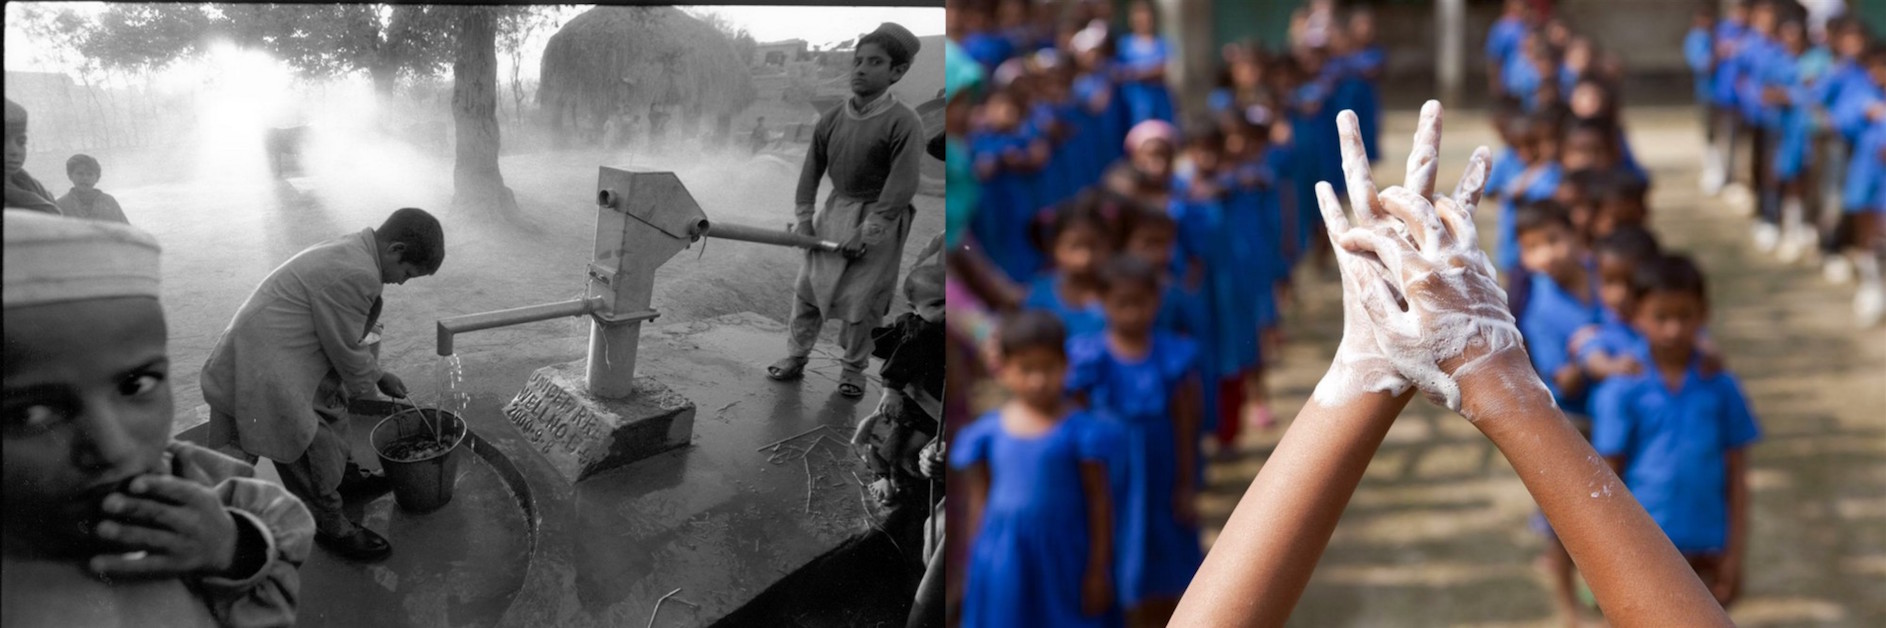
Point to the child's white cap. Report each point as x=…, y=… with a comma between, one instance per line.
x=53, y=259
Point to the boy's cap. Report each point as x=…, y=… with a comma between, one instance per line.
x=1148, y=131
x=16, y=117
x=53, y=259
x=902, y=35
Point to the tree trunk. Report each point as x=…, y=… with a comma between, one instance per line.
x=478, y=186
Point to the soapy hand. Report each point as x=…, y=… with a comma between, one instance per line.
x=1421, y=302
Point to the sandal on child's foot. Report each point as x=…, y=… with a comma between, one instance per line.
x=787, y=369
x=851, y=384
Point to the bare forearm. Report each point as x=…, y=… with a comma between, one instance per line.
x=1263, y=559
x=1636, y=574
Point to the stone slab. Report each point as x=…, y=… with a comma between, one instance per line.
x=581, y=434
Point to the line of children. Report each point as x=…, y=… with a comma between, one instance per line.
x=1095, y=207
x=1809, y=105
x=1573, y=240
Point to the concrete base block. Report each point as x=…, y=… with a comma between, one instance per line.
x=581, y=434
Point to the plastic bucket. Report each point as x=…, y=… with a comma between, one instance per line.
x=424, y=483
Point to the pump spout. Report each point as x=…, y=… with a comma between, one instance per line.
x=514, y=316
x=768, y=236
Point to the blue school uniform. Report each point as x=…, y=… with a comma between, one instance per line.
x=1001, y=222
x=1277, y=159
x=1157, y=553
x=1044, y=294
x=1521, y=80
x=1183, y=311
x=1865, y=190
x=1205, y=236
x=1029, y=556
x=1831, y=91
x=1054, y=184
x=1108, y=123
x=1504, y=38
x=988, y=49
x=1674, y=443
x=1722, y=79
x=1145, y=100
x=1757, y=54
x=1550, y=317
x=1796, y=125
x=1253, y=196
x=1505, y=166
x=1699, y=53
x=1357, y=92
x=1518, y=190
x=1615, y=338
x=1848, y=114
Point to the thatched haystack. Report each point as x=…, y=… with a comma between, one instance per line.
x=651, y=63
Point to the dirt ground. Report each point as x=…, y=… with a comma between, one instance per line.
x=222, y=235
x=1436, y=535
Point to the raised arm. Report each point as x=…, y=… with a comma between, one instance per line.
x=1441, y=315
x=1421, y=307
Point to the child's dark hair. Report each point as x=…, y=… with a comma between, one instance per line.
x=1127, y=270
x=1204, y=133
x=1630, y=242
x=1137, y=218
x=76, y=161
x=1669, y=273
x=1032, y=329
x=1624, y=186
x=892, y=47
x=1590, y=182
x=1539, y=215
x=422, y=235
x=1089, y=208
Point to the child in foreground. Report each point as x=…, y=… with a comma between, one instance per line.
x=1677, y=435
x=1422, y=309
x=109, y=522
x=1148, y=382
x=1041, y=511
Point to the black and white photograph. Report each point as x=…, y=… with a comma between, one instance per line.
x=364, y=315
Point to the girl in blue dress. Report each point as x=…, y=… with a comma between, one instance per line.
x=1151, y=236
x=1147, y=381
x=1207, y=248
x=1363, y=70
x=1041, y=515
x=1004, y=155
x=1078, y=240
x=1099, y=97
x=1143, y=69
x=1251, y=183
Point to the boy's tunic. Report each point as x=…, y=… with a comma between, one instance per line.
x=93, y=204
x=292, y=346
x=873, y=157
x=41, y=592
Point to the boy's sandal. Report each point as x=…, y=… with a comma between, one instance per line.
x=787, y=369
x=851, y=384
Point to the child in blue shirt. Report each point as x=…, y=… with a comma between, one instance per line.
x=1208, y=242
x=1142, y=57
x=1041, y=509
x=1536, y=141
x=1147, y=381
x=1078, y=241
x=1677, y=437
x=1004, y=153
x=1608, y=349
x=1699, y=54
x=1503, y=40
x=1727, y=41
